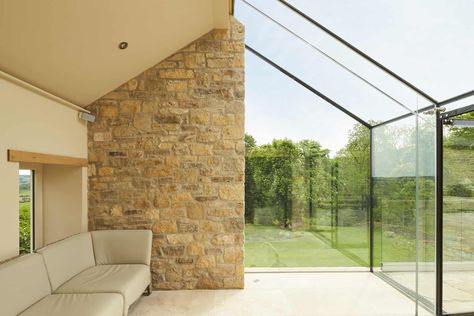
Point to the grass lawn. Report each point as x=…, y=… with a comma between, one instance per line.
x=269, y=246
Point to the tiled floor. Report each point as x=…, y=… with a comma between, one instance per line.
x=458, y=289
x=325, y=294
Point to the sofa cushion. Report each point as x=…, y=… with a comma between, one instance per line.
x=23, y=282
x=122, y=246
x=68, y=257
x=130, y=280
x=100, y=304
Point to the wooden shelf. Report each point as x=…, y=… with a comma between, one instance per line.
x=25, y=156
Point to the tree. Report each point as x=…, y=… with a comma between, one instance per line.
x=459, y=137
x=251, y=189
x=315, y=173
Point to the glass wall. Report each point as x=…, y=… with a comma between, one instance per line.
x=308, y=197
x=307, y=172
x=404, y=205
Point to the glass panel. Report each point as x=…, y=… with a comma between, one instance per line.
x=386, y=32
x=306, y=177
x=426, y=209
x=458, y=218
x=404, y=207
x=304, y=61
x=394, y=168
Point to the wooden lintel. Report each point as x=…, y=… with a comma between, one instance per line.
x=47, y=159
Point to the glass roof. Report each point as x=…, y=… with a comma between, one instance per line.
x=319, y=60
x=427, y=42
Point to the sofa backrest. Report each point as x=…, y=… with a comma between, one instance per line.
x=23, y=282
x=122, y=246
x=68, y=257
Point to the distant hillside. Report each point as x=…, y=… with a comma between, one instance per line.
x=24, y=183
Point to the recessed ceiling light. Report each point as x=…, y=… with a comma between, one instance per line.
x=123, y=45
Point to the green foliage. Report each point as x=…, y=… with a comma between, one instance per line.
x=460, y=189
x=296, y=181
x=25, y=232
x=461, y=138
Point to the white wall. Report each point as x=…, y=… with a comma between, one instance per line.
x=31, y=122
x=63, y=203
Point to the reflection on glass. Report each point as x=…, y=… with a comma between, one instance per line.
x=306, y=182
x=404, y=208
x=458, y=218
x=426, y=208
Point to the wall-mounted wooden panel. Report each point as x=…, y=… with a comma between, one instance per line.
x=47, y=159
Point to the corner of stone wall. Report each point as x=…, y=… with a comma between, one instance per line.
x=166, y=153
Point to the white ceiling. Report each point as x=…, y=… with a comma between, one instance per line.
x=70, y=48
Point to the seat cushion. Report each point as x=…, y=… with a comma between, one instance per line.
x=68, y=257
x=23, y=282
x=130, y=280
x=99, y=304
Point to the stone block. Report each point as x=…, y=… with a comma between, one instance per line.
x=176, y=74
x=195, y=60
x=162, y=226
x=130, y=106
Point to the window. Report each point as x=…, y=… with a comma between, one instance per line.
x=26, y=213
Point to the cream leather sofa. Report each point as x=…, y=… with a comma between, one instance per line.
x=96, y=273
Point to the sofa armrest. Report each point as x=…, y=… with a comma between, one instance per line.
x=122, y=246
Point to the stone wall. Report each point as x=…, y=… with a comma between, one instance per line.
x=166, y=153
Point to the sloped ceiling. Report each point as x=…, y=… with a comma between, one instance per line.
x=70, y=48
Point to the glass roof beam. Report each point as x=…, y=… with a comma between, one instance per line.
x=456, y=112
x=426, y=108
x=457, y=98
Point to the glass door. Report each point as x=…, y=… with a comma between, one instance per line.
x=404, y=182
x=458, y=211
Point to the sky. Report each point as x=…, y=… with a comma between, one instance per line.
x=24, y=172
x=427, y=42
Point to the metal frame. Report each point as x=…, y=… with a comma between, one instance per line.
x=456, y=112
x=439, y=215
x=441, y=118
x=398, y=118
x=457, y=98
x=371, y=202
